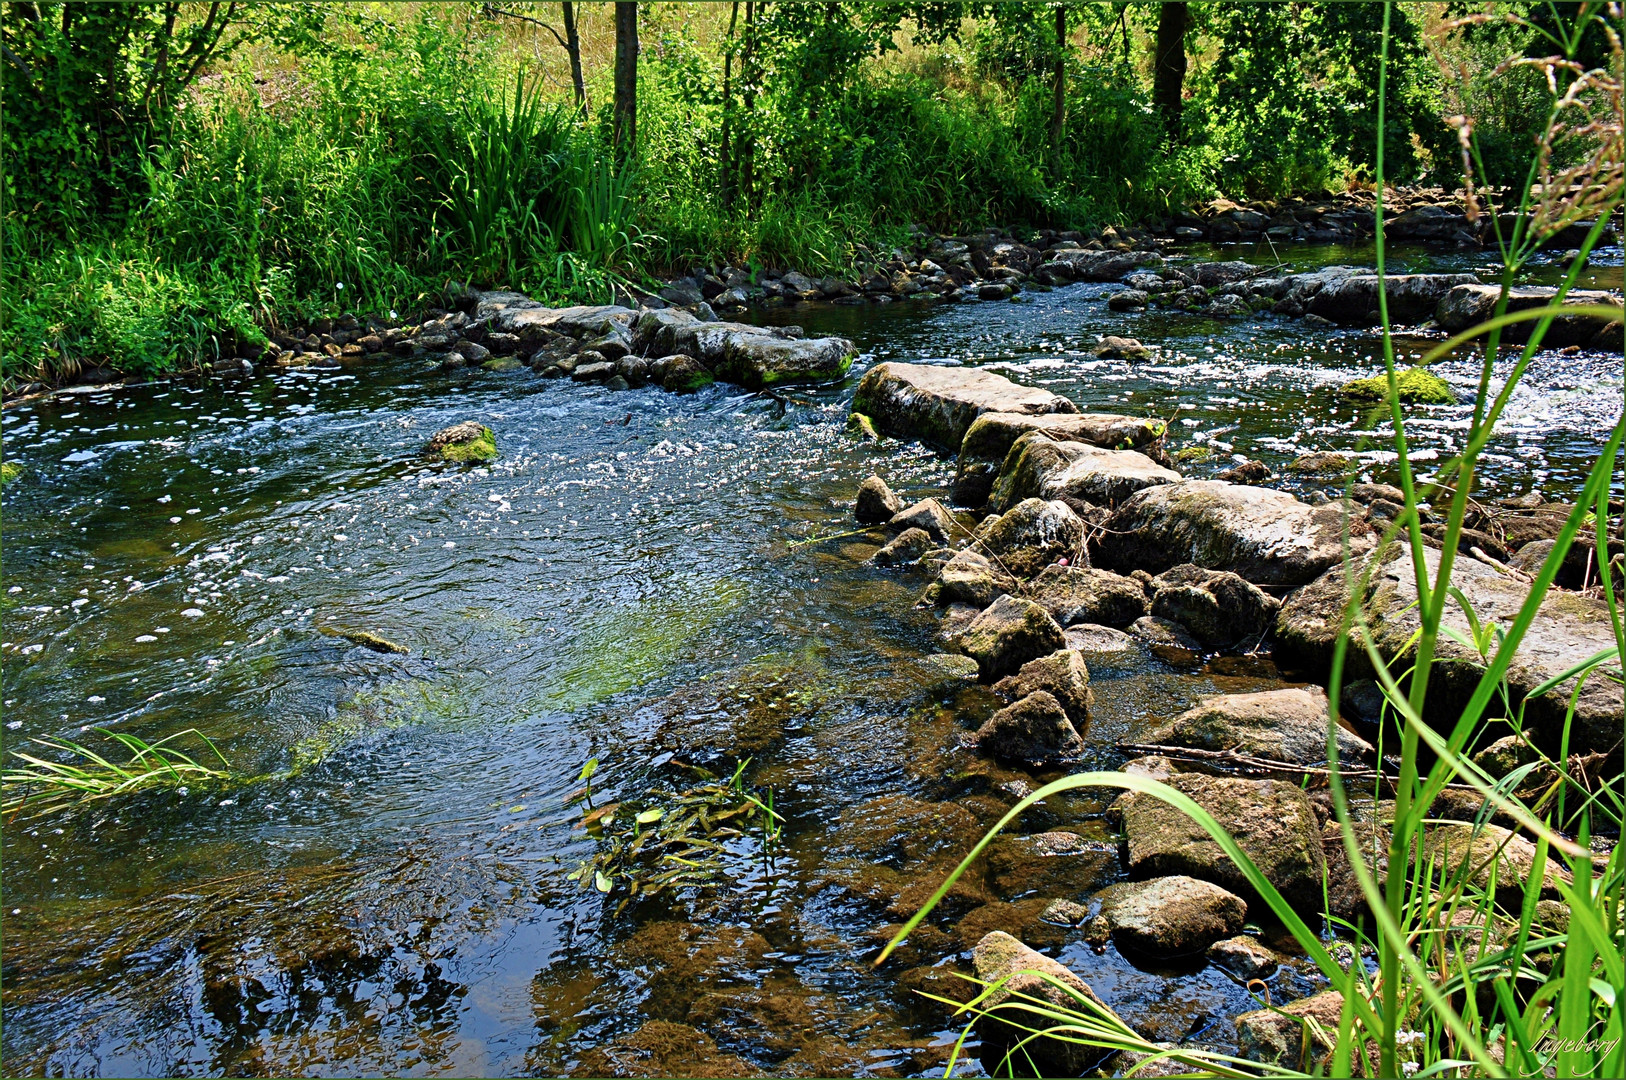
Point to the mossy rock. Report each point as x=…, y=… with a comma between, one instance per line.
x=9, y=471
x=1415, y=387
x=468, y=441
x=861, y=427
x=501, y=363
x=1194, y=453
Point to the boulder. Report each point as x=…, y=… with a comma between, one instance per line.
x=1281, y=1036
x=904, y=548
x=1281, y=725
x=927, y=514
x=1218, y=607
x=1095, y=638
x=1021, y=972
x=938, y=404
x=991, y=435
x=1243, y=957
x=530, y=321
x=1272, y=821
x=466, y=441
x=969, y=578
x=1121, y=348
x=757, y=359
x=1466, y=306
x=876, y=502
x=1504, y=755
x=1128, y=300
x=1033, y=731
x=1074, y=594
x=1009, y=633
x=1263, y=535
x=1353, y=300
x=1081, y=264
x=1568, y=628
x=1038, y=466
x=1170, y=916
x=1167, y=638
x=1031, y=535
x=1063, y=675
x=1413, y=386
x=682, y=374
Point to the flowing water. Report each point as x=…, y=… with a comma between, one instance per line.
x=383, y=886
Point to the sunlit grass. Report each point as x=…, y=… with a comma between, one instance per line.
x=41, y=784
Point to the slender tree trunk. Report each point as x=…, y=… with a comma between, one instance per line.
x=1058, y=116
x=745, y=154
x=1169, y=73
x=573, y=46
x=626, y=78
x=726, y=164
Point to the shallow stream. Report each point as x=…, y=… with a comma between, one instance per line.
x=384, y=890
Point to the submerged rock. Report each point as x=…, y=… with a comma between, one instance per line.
x=1218, y=607
x=1063, y=675
x=1121, y=348
x=1265, y=536
x=467, y=441
x=1568, y=629
x=1051, y=864
x=991, y=436
x=1075, y=594
x=937, y=405
x=1270, y=820
x=876, y=502
x=1281, y=725
x=1007, y=635
x=1000, y=958
x=1033, y=731
x=1038, y=466
x=1170, y=916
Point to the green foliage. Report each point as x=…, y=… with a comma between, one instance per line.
x=1414, y=386
x=41, y=784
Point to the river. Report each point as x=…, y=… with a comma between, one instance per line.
x=384, y=889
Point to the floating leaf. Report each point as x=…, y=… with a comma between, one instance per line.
x=649, y=817
x=600, y=882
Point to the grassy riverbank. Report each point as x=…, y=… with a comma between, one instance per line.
x=357, y=158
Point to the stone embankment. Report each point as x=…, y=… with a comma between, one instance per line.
x=1063, y=531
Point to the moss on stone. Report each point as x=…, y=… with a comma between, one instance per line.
x=1414, y=385
x=1194, y=453
x=501, y=363
x=861, y=427
x=9, y=471
x=482, y=447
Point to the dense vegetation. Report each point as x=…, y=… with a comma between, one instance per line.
x=179, y=175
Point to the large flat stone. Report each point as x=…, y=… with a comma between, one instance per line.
x=937, y=405
x=1263, y=535
x=1270, y=820
x=1282, y=725
x=1466, y=306
x=1353, y=301
x=753, y=356
x=515, y=318
x=992, y=435
x=1039, y=467
x=1568, y=629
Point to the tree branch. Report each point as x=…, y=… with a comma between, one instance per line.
x=491, y=11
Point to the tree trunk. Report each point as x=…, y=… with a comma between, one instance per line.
x=745, y=152
x=725, y=166
x=1058, y=116
x=573, y=46
x=1169, y=72
x=626, y=78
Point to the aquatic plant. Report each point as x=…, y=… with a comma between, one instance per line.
x=1476, y=973
x=669, y=841
x=41, y=783
x=1414, y=386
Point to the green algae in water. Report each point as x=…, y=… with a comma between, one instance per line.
x=1414, y=386
x=385, y=707
x=625, y=647
x=9, y=471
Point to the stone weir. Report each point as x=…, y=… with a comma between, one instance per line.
x=620, y=346
x=1069, y=538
